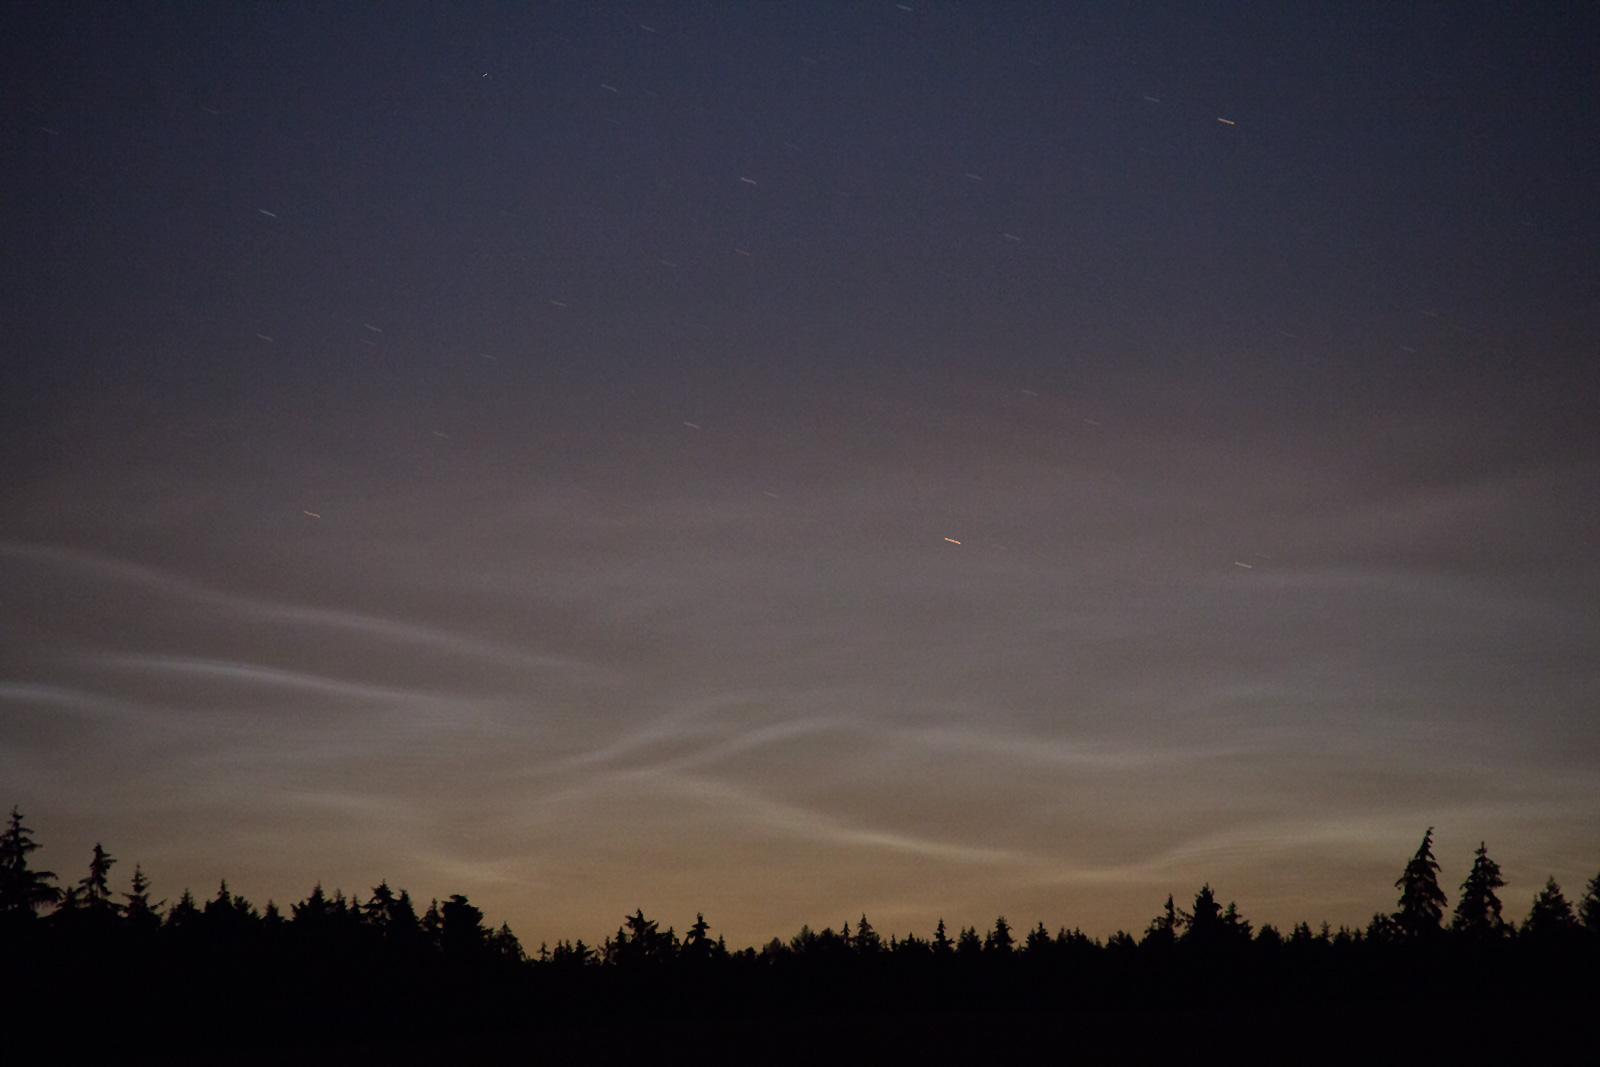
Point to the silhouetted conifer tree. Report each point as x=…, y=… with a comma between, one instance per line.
x=461, y=933
x=968, y=944
x=697, y=945
x=184, y=914
x=1209, y=926
x=1163, y=929
x=1386, y=929
x=1421, y=900
x=998, y=940
x=23, y=890
x=640, y=939
x=94, y=891
x=392, y=918
x=222, y=902
x=403, y=916
x=1589, y=906
x=503, y=945
x=312, y=911
x=432, y=923
x=1551, y=915
x=1235, y=926
x=376, y=911
x=1038, y=944
x=941, y=939
x=140, y=912
x=229, y=920
x=868, y=943
x=1203, y=925
x=1478, y=910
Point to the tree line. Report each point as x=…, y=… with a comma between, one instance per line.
x=336, y=966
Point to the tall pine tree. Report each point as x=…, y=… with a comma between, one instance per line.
x=1162, y=933
x=1478, y=910
x=1551, y=915
x=94, y=891
x=22, y=890
x=141, y=913
x=1421, y=900
x=1589, y=906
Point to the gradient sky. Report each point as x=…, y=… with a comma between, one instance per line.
x=796, y=460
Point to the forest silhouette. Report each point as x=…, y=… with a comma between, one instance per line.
x=89, y=973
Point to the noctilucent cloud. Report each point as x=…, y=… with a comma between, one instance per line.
x=786, y=462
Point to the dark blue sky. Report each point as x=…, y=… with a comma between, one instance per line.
x=788, y=459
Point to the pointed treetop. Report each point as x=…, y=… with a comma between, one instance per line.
x=1478, y=910
x=1589, y=906
x=1421, y=900
x=22, y=889
x=1551, y=915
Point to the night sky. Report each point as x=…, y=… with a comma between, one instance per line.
x=795, y=460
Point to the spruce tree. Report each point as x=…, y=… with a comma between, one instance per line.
x=1203, y=926
x=1421, y=900
x=999, y=940
x=503, y=944
x=696, y=945
x=1478, y=910
x=1589, y=906
x=1237, y=926
x=462, y=932
x=22, y=890
x=868, y=943
x=94, y=891
x=432, y=922
x=185, y=914
x=376, y=911
x=1163, y=929
x=143, y=914
x=1551, y=915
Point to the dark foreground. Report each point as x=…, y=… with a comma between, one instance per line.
x=1373, y=1004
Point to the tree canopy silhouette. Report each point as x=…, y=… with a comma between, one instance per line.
x=333, y=967
x=1478, y=910
x=1551, y=916
x=1422, y=902
x=1589, y=906
x=23, y=890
